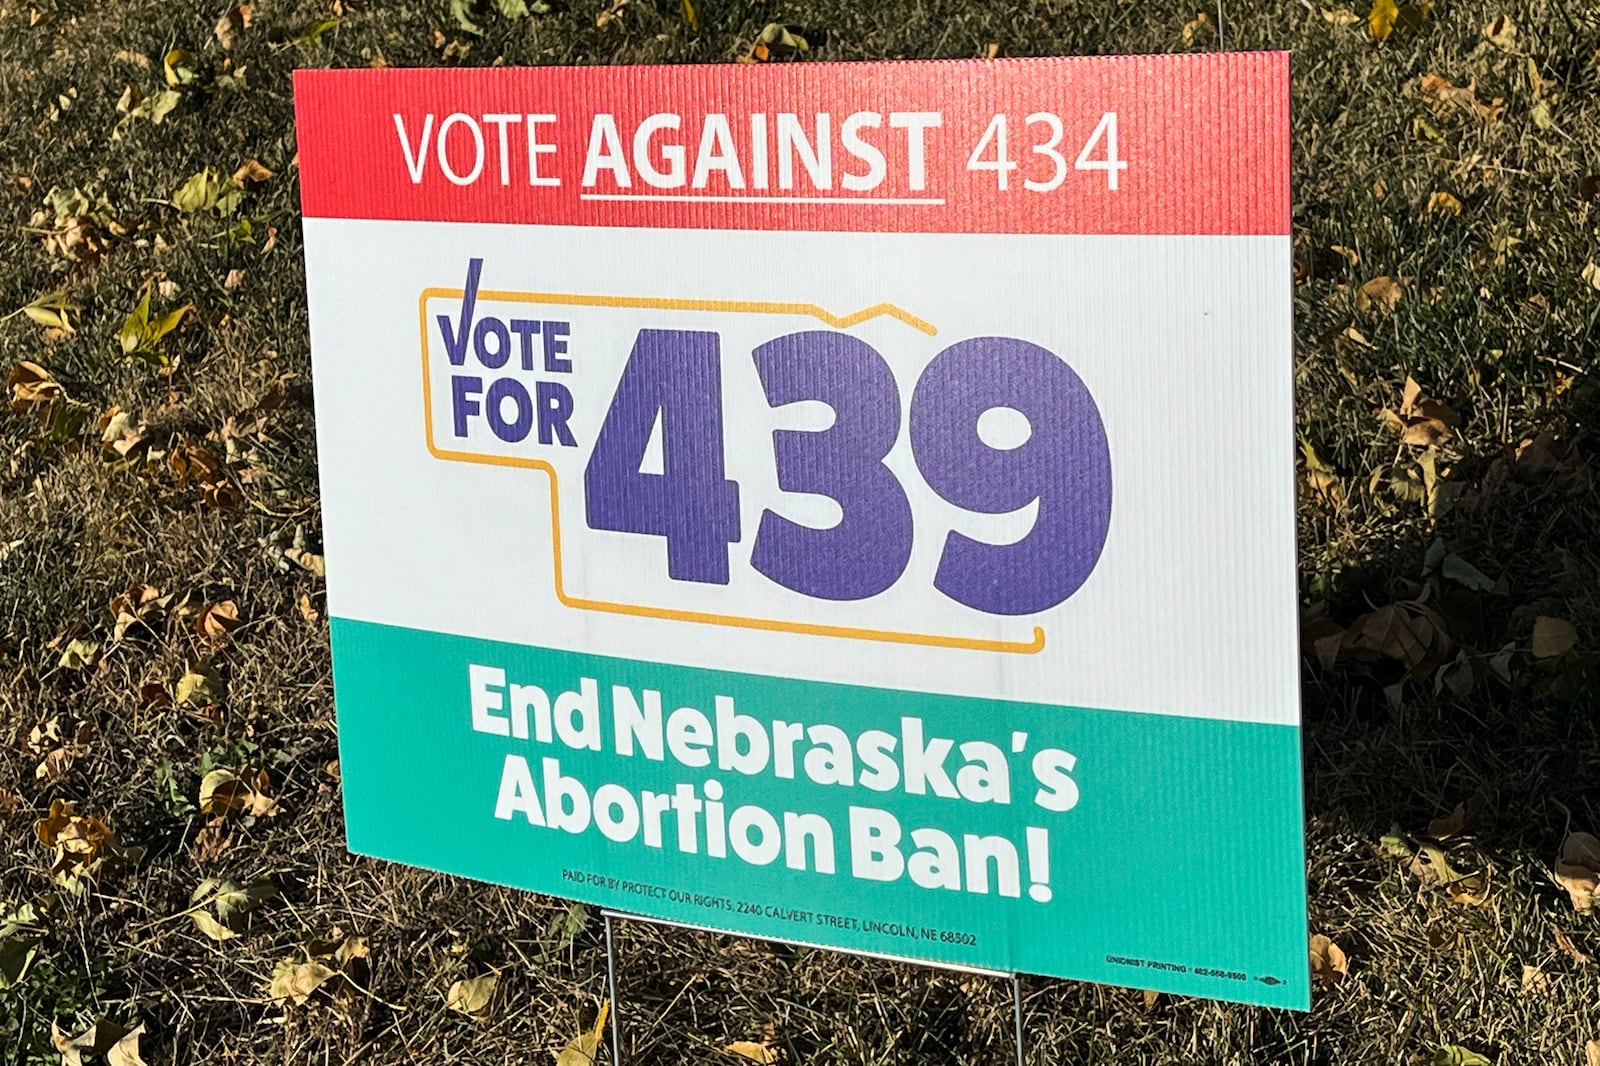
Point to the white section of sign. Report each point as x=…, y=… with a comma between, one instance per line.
x=1188, y=362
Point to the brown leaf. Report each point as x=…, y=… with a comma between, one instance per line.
x=32, y=384
x=1535, y=982
x=1591, y=1053
x=1578, y=870
x=216, y=620
x=749, y=1049
x=1443, y=97
x=1552, y=637
x=1328, y=962
x=1564, y=942
x=139, y=605
x=1469, y=891
x=232, y=24
x=1381, y=294
x=1461, y=820
x=251, y=171
x=308, y=612
x=1425, y=433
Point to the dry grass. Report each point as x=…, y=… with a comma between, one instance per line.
x=1495, y=320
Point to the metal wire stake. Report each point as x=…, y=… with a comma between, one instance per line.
x=611, y=987
x=1016, y=1006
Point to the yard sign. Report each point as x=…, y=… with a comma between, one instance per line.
x=846, y=504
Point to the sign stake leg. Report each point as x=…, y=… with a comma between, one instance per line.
x=611, y=988
x=1016, y=1011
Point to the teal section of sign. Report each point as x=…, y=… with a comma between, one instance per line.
x=1180, y=868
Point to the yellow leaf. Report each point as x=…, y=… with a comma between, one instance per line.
x=200, y=686
x=1443, y=203
x=211, y=927
x=690, y=17
x=1381, y=20
x=472, y=996
x=582, y=1049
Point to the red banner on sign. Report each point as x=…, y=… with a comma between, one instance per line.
x=1143, y=145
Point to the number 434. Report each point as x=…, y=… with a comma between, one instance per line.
x=1047, y=143
x=1064, y=466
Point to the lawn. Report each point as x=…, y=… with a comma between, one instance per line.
x=165, y=651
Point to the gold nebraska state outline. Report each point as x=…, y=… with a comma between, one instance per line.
x=935, y=640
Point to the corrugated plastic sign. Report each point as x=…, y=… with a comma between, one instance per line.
x=846, y=504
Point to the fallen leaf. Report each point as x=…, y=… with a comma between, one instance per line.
x=98, y=1039
x=200, y=686
x=250, y=172
x=1461, y=820
x=1564, y=942
x=1578, y=870
x=80, y=654
x=223, y=791
x=211, y=927
x=1501, y=32
x=1455, y=1055
x=1553, y=637
x=297, y=981
x=217, y=620
x=1469, y=891
x=749, y=1049
x=232, y=24
x=472, y=996
x=1591, y=1053
x=308, y=612
x=1443, y=97
x=139, y=605
x=1535, y=982
x=125, y=1052
x=1381, y=294
x=1382, y=18
x=1387, y=16
x=1200, y=28
x=1443, y=203
x=582, y=1049
x=1431, y=865
x=1328, y=962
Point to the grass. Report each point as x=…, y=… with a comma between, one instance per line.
x=1495, y=320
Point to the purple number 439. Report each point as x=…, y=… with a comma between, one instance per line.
x=1064, y=466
